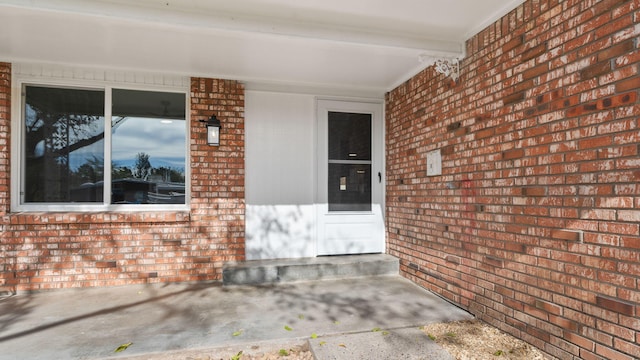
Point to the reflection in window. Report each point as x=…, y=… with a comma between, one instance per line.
x=63, y=147
x=148, y=148
x=349, y=187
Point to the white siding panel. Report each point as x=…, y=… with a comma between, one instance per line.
x=280, y=168
x=280, y=231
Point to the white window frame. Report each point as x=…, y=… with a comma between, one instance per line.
x=19, y=81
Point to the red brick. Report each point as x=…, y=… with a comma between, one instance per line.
x=513, y=43
x=606, y=6
x=513, y=154
x=629, y=84
x=535, y=71
x=539, y=334
x=627, y=347
x=595, y=70
x=514, y=98
x=616, y=26
x=616, y=50
x=566, y=235
x=534, y=191
x=564, y=323
x=106, y=264
x=618, y=100
x=616, y=305
x=597, y=142
x=612, y=354
x=548, y=307
x=580, y=341
x=494, y=261
x=482, y=134
x=629, y=215
x=534, y=52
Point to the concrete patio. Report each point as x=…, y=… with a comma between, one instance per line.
x=160, y=318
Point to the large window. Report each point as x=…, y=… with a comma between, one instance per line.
x=102, y=147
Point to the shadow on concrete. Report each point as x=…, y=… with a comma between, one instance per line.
x=91, y=323
x=14, y=308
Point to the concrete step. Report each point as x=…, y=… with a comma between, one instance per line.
x=255, y=272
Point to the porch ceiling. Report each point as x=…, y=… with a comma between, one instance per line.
x=342, y=47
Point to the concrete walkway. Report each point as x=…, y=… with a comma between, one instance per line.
x=161, y=318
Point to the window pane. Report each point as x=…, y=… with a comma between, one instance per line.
x=349, y=136
x=148, y=147
x=64, y=145
x=349, y=187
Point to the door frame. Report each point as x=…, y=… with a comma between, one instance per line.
x=375, y=217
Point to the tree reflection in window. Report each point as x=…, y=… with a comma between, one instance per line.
x=148, y=147
x=64, y=146
x=64, y=134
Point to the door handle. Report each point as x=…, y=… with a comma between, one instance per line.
x=379, y=177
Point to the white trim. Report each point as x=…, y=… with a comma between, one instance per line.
x=315, y=89
x=93, y=75
x=95, y=79
x=108, y=100
x=498, y=14
x=372, y=221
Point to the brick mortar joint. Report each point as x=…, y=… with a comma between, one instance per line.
x=92, y=218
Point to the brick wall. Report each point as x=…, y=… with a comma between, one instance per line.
x=534, y=225
x=59, y=250
x=5, y=118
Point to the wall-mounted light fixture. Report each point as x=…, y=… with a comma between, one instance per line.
x=213, y=130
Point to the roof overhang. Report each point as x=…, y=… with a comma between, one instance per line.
x=363, y=47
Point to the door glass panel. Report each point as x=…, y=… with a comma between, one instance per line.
x=349, y=187
x=349, y=177
x=349, y=136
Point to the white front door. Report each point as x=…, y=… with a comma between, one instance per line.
x=350, y=178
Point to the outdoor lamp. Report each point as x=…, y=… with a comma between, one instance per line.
x=213, y=130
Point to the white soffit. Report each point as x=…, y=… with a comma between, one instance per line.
x=356, y=47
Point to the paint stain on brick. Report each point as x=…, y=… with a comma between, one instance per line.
x=454, y=126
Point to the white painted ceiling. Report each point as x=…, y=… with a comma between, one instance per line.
x=356, y=47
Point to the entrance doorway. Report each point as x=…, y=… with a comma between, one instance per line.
x=350, y=178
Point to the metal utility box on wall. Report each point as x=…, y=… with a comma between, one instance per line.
x=434, y=163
